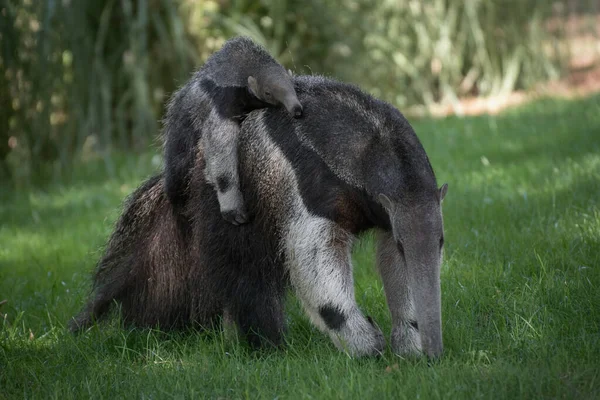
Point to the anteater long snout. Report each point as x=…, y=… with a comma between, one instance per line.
x=425, y=284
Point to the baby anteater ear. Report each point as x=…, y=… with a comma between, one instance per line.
x=386, y=202
x=443, y=191
x=253, y=86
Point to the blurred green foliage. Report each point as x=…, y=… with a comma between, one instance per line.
x=81, y=79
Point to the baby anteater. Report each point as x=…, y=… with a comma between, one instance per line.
x=235, y=80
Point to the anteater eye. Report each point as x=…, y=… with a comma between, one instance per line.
x=267, y=93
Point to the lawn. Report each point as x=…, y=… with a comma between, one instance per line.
x=520, y=283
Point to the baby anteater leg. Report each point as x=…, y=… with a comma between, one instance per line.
x=321, y=273
x=220, y=141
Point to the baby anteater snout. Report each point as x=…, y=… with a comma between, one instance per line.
x=297, y=111
x=292, y=105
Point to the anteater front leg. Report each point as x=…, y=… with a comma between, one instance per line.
x=321, y=273
x=405, y=331
x=220, y=142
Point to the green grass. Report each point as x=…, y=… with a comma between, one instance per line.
x=520, y=281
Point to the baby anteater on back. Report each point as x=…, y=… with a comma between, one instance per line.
x=239, y=78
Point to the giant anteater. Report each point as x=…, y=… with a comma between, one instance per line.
x=351, y=164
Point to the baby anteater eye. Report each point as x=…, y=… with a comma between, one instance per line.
x=400, y=247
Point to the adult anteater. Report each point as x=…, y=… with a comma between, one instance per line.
x=353, y=164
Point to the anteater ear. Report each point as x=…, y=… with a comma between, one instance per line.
x=253, y=85
x=385, y=202
x=443, y=191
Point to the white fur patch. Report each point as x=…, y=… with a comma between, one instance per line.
x=318, y=251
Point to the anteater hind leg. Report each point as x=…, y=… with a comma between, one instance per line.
x=220, y=142
x=258, y=313
x=321, y=273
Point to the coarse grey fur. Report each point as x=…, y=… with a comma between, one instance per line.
x=235, y=80
x=353, y=165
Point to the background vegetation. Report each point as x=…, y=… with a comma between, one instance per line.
x=84, y=79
